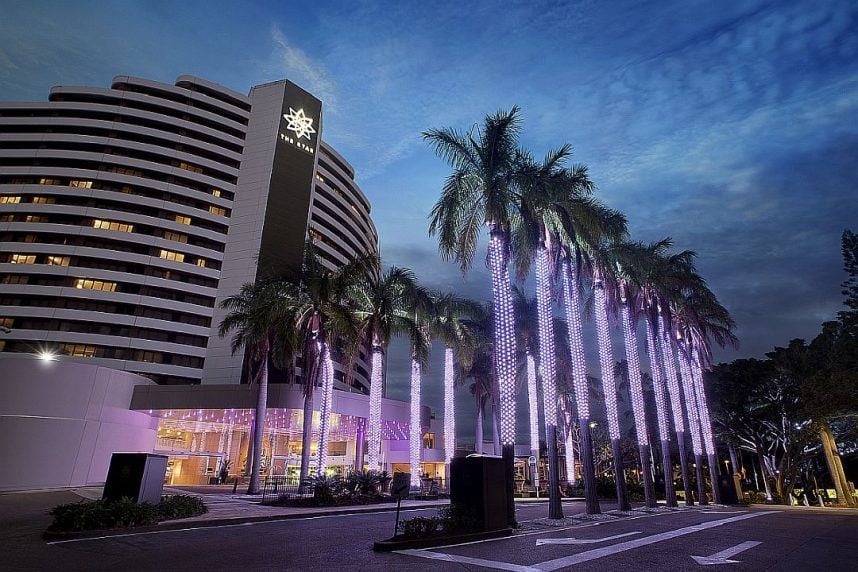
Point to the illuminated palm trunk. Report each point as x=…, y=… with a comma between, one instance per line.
x=609, y=387
x=630, y=340
x=661, y=412
x=259, y=424
x=504, y=355
x=693, y=422
x=415, y=435
x=571, y=477
x=449, y=414
x=572, y=307
x=668, y=360
x=706, y=425
x=374, y=429
x=533, y=405
x=548, y=369
x=325, y=410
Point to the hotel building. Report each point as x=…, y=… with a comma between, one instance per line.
x=127, y=214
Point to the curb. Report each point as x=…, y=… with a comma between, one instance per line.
x=52, y=536
x=393, y=544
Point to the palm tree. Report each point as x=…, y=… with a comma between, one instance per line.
x=258, y=315
x=481, y=191
x=699, y=318
x=383, y=306
x=449, y=324
x=602, y=281
x=322, y=319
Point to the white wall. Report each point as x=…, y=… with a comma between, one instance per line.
x=60, y=421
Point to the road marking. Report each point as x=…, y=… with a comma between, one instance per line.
x=597, y=553
x=541, y=541
x=723, y=557
x=468, y=560
x=254, y=523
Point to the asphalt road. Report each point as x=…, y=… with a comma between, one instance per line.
x=786, y=539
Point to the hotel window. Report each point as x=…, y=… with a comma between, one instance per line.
x=321, y=178
x=148, y=357
x=21, y=181
x=23, y=259
x=191, y=168
x=183, y=219
x=201, y=262
x=44, y=200
x=80, y=184
x=429, y=441
x=101, y=285
x=58, y=260
x=125, y=171
x=79, y=350
x=220, y=211
x=7, y=218
x=9, y=199
x=15, y=279
x=7, y=322
x=35, y=218
x=216, y=193
x=29, y=238
x=170, y=255
x=46, y=181
x=125, y=189
x=112, y=225
x=176, y=236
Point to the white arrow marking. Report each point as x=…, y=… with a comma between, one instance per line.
x=541, y=541
x=723, y=557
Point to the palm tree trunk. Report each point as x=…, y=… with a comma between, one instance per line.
x=449, y=412
x=693, y=422
x=375, y=390
x=661, y=412
x=571, y=304
x=259, y=425
x=478, y=436
x=609, y=385
x=325, y=410
x=504, y=355
x=533, y=405
x=669, y=363
x=706, y=425
x=667, y=469
x=548, y=370
x=571, y=476
x=306, y=436
x=496, y=441
x=638, y=408
x=415, y=434
x=829, y=448
x=683, y=466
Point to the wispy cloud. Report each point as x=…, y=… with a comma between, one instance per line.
x=291, y=62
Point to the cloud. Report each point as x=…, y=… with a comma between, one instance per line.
x=293, y=63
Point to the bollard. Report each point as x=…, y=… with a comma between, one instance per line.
x=234, y=485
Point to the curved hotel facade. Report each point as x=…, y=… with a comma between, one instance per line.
x=127, y=214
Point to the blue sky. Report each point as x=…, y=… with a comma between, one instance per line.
x=730, y=126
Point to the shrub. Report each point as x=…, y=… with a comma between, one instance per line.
x=454, y=519
x=123, y=513
x=420, y=526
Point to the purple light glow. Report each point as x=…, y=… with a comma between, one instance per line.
x=634, y=366
x=325, y=410
x=606, y=359
x=570, y=459
x=690, y=402
x=548, y=367
x=533, y=404
x=415, y=435
x=670, y=370
x=374, y=429
x=504, y=354
x=572, y=307
x=449, y=407
x=705, y=421
x=657, y=384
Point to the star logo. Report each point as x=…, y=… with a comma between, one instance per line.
x=299, y=123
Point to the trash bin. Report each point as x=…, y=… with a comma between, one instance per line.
x=138, y=476
x=478, y=487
